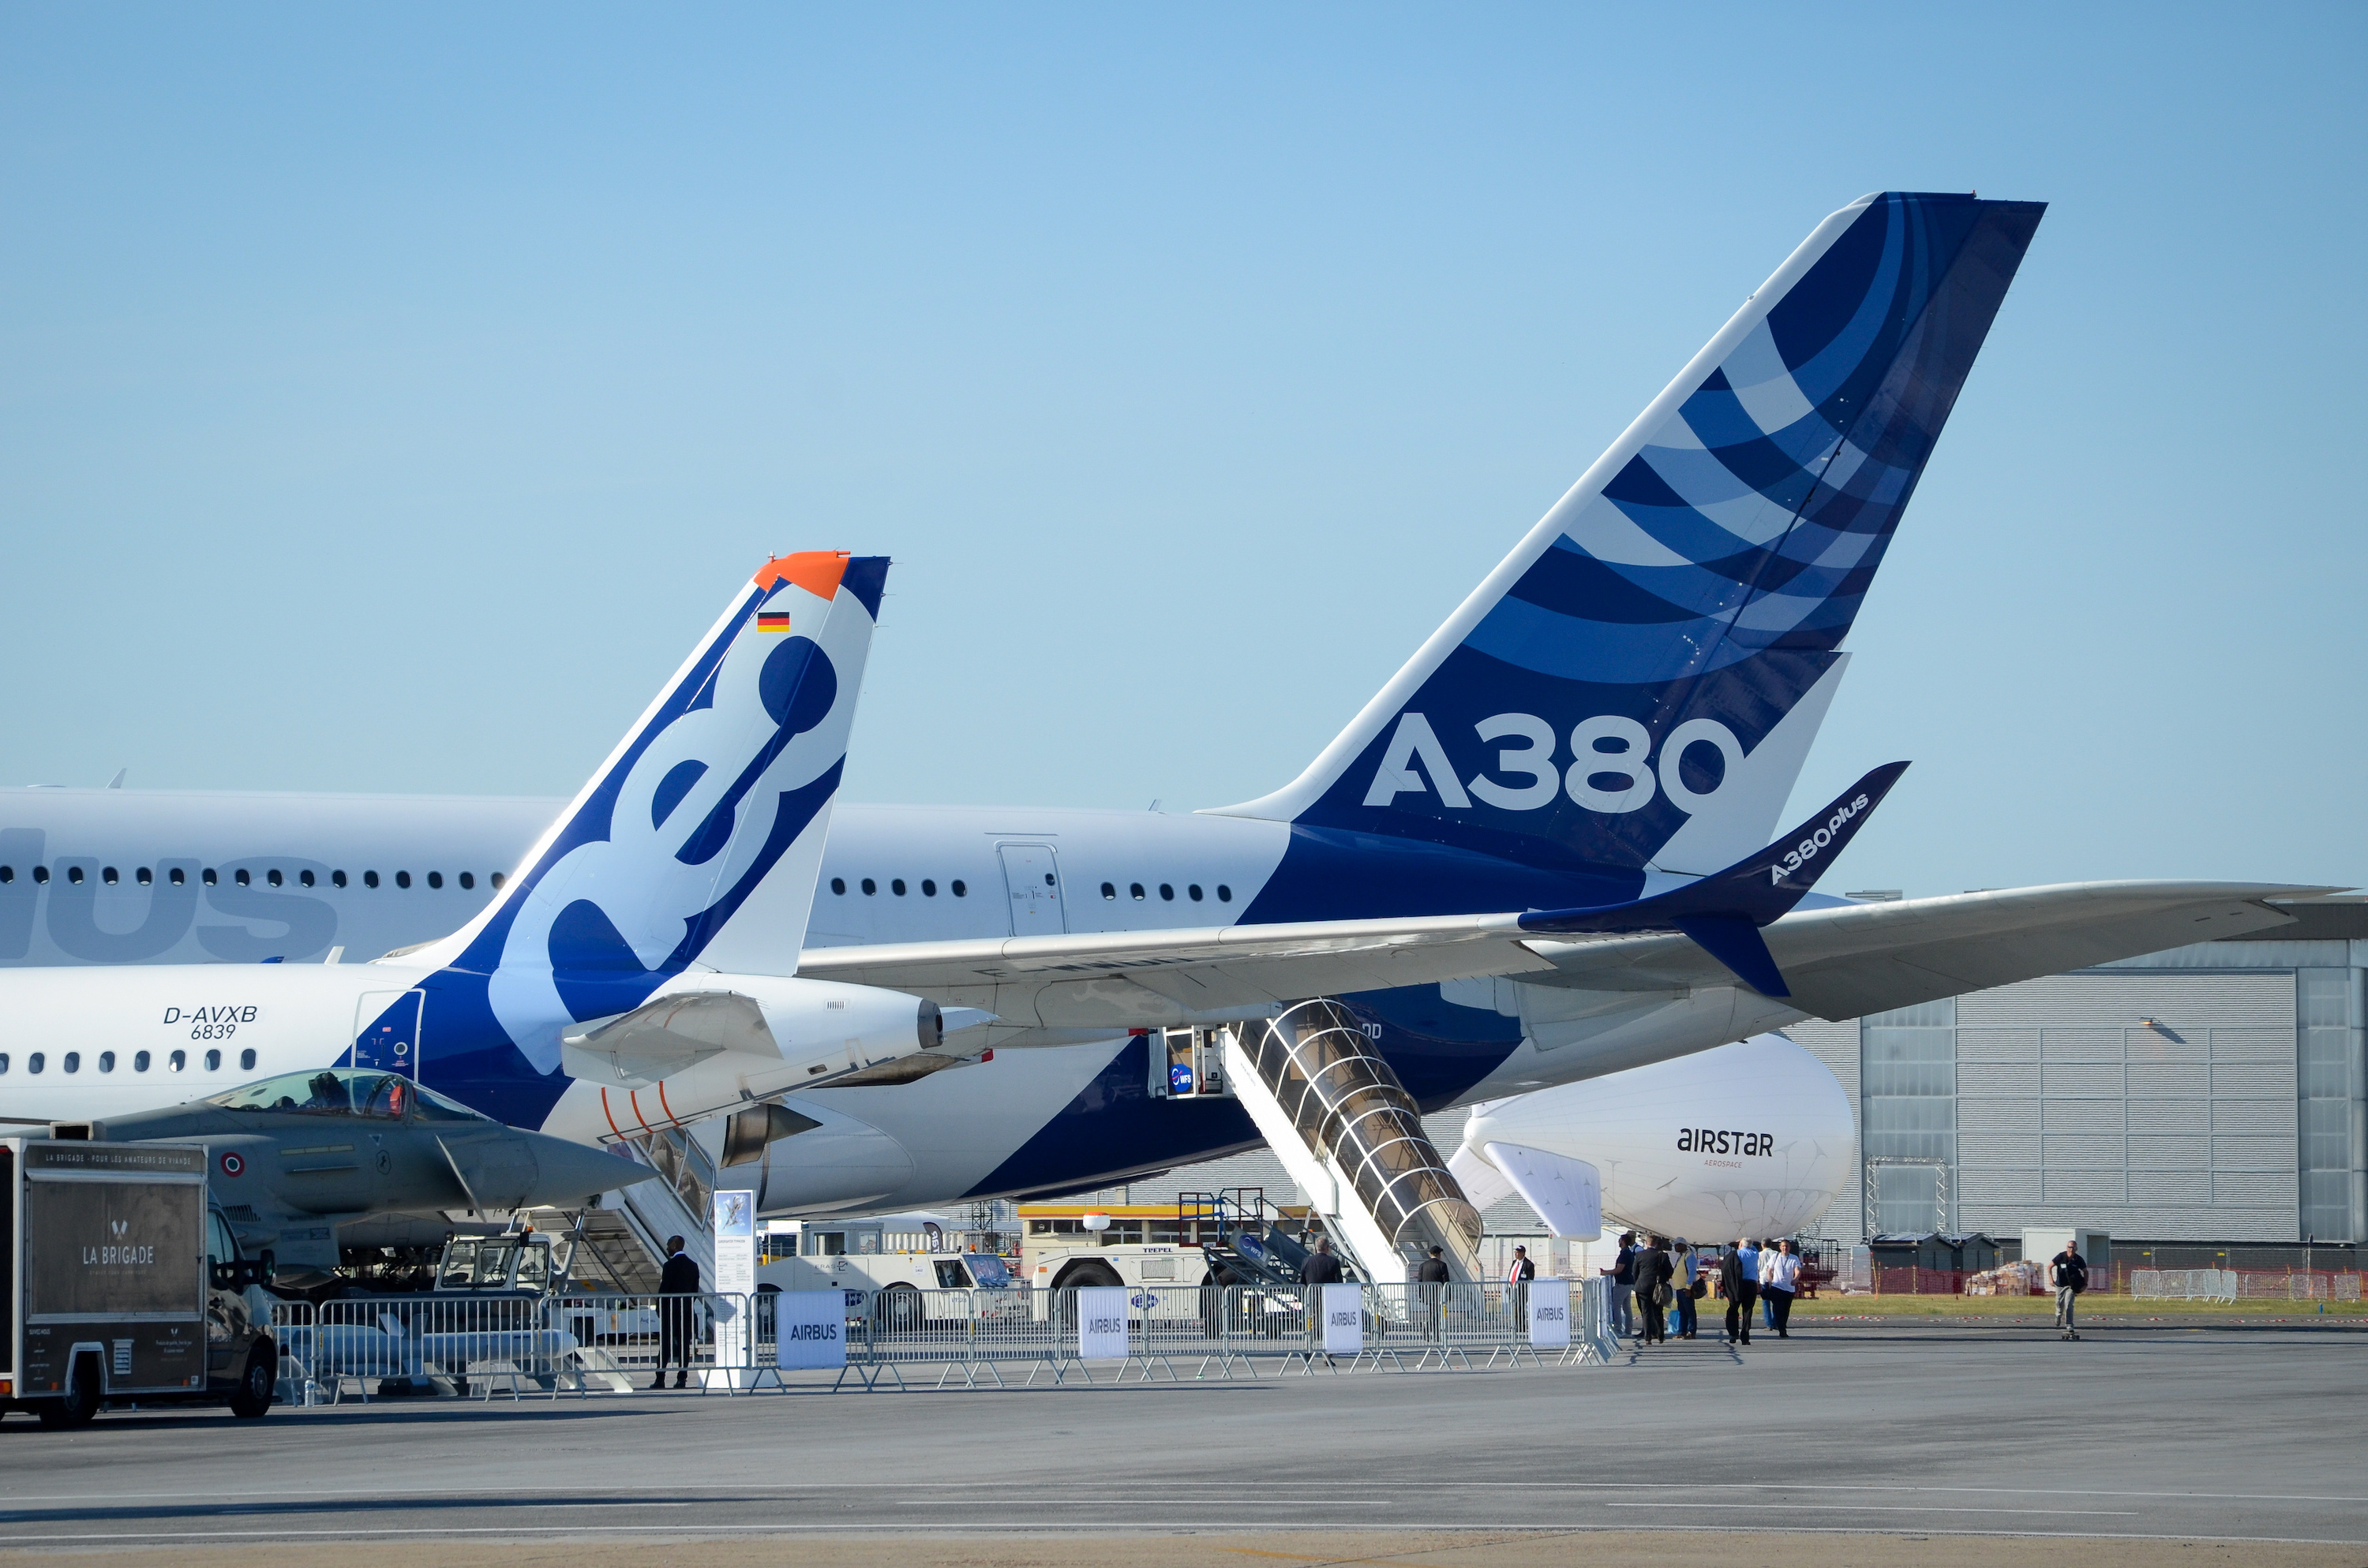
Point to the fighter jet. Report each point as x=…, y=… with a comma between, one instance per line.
x=296, y=1156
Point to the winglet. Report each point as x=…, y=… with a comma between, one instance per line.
x=1722, y=912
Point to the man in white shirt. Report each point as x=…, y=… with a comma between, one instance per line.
x=1780, y=1274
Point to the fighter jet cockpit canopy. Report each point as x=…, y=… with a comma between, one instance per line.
x=341, y=1090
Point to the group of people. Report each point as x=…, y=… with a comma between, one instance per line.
x=1655, y=1282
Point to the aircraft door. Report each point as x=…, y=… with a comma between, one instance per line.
x=1033, y=880
x=386, y=1031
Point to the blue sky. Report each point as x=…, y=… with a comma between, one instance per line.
x=393, y=396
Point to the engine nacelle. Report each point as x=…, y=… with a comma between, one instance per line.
x=1751, y=1139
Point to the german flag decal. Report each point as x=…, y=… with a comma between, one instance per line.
x=772, y=620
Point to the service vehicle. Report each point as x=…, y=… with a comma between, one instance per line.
x=120, y=1281
x=885, y=1263
x=1235, y=1233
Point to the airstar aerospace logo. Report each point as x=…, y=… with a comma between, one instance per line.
x=1709, y=1141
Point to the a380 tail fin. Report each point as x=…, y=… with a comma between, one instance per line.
x=1635, y=686
x=714, y=806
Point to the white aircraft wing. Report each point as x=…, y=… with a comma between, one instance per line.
x=1867, y=958
x=1141, y=979
x=1839, y=963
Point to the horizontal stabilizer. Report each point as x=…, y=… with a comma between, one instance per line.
x=662, y=1038
x=1484, y=1184
x=1566, y=1193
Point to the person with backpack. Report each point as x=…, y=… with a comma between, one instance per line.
x=1654, y=1270
x=2070, y=1272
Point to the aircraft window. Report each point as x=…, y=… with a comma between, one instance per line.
x=1048, y=879
x=1193, y=893
x=247, y=1059
x=109, y=876
x=272, y=876
x=145, y=876
x=898, y=887
x=178, y=876
x=869, y=887
x=243, y=879
x=928, y=888
x=140, y=1061
x=337, y=878
x=73, y=1062
x=497, y=881
x=106, y=1061
x=41, y=875
x=208, y=876
x=7, y=873
x=177, y=1060
x=839, y=885
x=4, y=1062
x=1109, y=890
x=1135, y=890
x=403, y=879
x=370, y=879
x=435, y=879
x=213, y=1061
x=1167, y=891
x=305, y=878
x=73, y=875
x=35, y=1063
x=467, y=880
x=961, y=891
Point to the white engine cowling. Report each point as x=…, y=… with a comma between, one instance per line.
x=1750, y=1139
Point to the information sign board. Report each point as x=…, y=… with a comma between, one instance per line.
x=1344, y=1319
x=809, y=1328
x=1101, y=1324
x=1550, y=1314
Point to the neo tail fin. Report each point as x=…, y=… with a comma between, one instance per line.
x=711, y=813
x=1636, y=685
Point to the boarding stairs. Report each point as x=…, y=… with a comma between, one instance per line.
x=1333, y=1111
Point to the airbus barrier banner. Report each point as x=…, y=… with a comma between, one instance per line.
x=1344, y=1319
x=1550, y=1314
x=736, y=1274
x=1101, y=1324
x=809, y=1329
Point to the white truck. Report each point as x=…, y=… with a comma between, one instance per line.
x=886, y=1264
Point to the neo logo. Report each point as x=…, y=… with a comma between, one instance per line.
x=1611, y=768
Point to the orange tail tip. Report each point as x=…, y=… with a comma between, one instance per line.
x=816, y=571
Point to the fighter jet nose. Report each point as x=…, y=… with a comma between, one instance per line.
x=569, y=1172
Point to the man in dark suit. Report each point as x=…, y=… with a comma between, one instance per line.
x=1320, y=1270
x=1739, y=1283
x=1432, y=1278
x=677, y=1282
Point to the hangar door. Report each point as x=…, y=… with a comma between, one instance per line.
x=1033, y=881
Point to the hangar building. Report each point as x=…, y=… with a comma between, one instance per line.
x=2214, y=1093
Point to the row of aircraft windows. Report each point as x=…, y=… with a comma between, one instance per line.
x=1167, y=891
x=276, y=878
x=959, y=888
x=175, y=1061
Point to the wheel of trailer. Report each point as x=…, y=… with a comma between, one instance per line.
x=897, y=1307
x=79, y=1403
x=252, y=1400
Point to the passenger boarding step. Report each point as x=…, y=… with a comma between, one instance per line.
x=1335, y=1114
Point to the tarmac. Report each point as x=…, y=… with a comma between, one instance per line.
x=1885, y=1443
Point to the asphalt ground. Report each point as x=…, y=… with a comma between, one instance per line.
x=1884, y=1435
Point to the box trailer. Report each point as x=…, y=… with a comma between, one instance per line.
x=121, y=1283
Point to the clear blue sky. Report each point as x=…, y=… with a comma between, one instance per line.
x=393, y=396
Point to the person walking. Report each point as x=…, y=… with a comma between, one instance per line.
x=1622, y=1274
x=677, y=1283
x=1738, y=1281
x=1430, y=1279
x=2069, y=1274
x=1688, y=1272
x=1653, y=1295
x=1780, y=1275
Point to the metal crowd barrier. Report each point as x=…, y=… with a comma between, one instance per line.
x=2183, y=1284
x=379, y=1347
